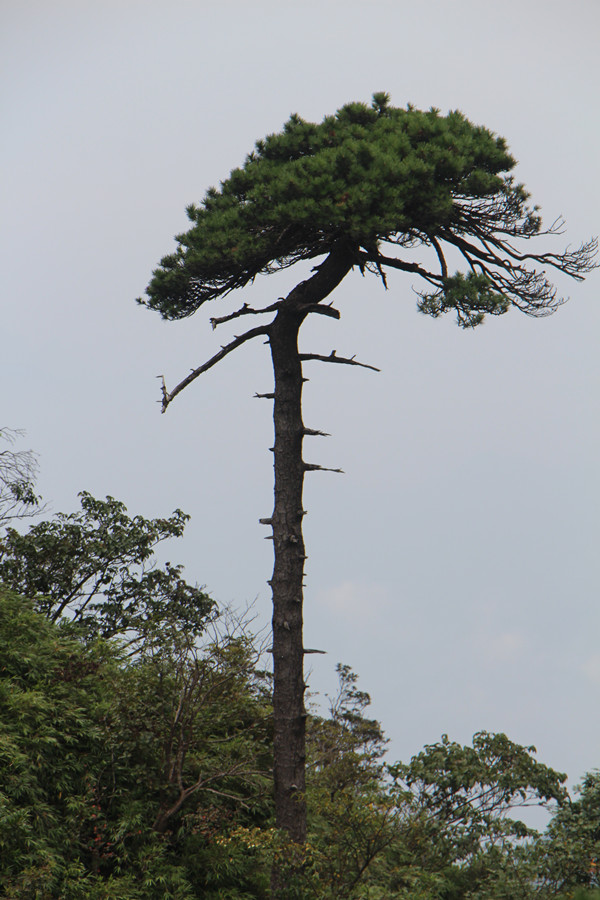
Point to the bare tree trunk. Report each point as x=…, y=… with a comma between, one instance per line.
x=288, y=573
x=289, y=714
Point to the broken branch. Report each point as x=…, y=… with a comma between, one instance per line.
x=313, y=432
x=312, y=467
x=245, y=310
x=167, y=396
x=322, y=310
x=379, y=260
x=352, y=361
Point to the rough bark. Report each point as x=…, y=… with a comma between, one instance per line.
x=288, y=573
x=286, y=583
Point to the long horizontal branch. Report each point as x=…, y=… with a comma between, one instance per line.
x=572, y=262
x=244, y=310
x=333, y=358
x=167, y=396
x=394, y=263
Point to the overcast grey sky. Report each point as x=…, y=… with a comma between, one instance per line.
x=454, y=566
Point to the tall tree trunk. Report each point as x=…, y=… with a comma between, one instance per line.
x=289, y=714
x=288, y=573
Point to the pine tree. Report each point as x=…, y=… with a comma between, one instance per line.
x=357, y=191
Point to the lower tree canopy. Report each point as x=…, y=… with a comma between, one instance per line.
x=117, y=775
x=18, y=470
x=375, y=183
x=146, y=778
x=96, y=567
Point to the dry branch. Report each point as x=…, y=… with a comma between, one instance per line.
x=167, y=396
x=313, y=467
x=333, y=358
x=244, y=310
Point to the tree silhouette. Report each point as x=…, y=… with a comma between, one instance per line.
x=361, y=190
x=18, y=471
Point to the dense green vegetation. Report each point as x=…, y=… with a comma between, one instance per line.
x=135, y=762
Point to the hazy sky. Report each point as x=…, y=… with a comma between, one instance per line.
x=454, y=566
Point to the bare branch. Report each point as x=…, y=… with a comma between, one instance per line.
x=333, y=358
x=575, y=263
x=313, y=432
x=327, y=310
x=245, y=310
x=435, y=244
x=18, y=471
x=167, y=396
x=312, y=467
x=228, y=796
x=379, y=260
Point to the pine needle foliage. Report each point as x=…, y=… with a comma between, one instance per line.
x=362, y=178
